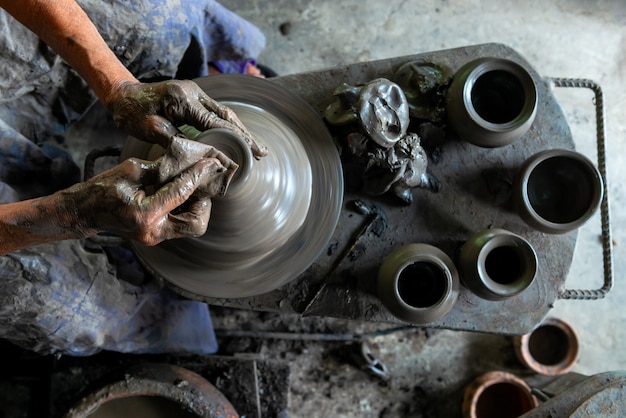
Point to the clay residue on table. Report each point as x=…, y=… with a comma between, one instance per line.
x=374, y=118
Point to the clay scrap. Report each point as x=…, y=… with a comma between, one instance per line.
x=374, y=119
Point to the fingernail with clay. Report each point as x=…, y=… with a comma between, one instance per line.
x=217, y=179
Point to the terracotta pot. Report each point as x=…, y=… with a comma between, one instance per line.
x=418, y=283
x=550, y=349
x=491, y=102
x=556, y=191
x=497, y=264
x=155, y=390
x=497, y=394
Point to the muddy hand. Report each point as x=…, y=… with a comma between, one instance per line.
x=152, y=112
x=117, y=201
x=182, y=154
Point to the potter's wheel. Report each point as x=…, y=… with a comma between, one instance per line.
x=268, y=230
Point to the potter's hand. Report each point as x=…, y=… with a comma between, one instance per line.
x=152, y=201
x=152, y=111
x=116, y=201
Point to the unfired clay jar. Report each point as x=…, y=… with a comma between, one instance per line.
x=497, y=394
x=418, y=283
x=557, y=191
x=266, y=203
x=497, y=264
x=491, y=102
x=551, y=349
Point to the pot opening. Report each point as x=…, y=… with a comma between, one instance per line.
x=422, y=284
x=548, y=345
x=503, y=400
x=141, y=407
x=498, y=96
x=504, y=265
x=561, y=189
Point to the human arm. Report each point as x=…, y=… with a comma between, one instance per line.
x=148, y=111
x=145, y=201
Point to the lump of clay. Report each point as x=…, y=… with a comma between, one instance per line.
x=424, y=85
x=389, y=159
x=183, y=153
x=380, y=107
x=397, y=169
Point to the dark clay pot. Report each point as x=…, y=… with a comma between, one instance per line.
x=418, y=283
x=557, y=191
x=497, y=264
x=491, y=102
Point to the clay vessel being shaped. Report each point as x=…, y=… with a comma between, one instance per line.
x=278, y=213
x=266, y=202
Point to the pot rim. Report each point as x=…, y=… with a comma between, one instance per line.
x=449, y=281
x=522, y=349
x=536, y=220
x=472, y=257
x=477, y=387
x=487, y=65
x=389, y=273
x=522, y=248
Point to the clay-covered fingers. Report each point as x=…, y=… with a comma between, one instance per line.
x=152, y=112
x=221, y=116
x=129, y=200
x=194, y=220
x=135, y=171
x=182, y=153
x=183, y=201
x=186, y=103
x=155, y=129
x=137, y=110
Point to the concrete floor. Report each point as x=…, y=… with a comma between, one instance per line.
x=562, y=38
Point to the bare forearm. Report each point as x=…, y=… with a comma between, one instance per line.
x=65, y=27
x=35, y=221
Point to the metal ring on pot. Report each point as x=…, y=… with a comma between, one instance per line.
x=491, y=102
x=497, y=264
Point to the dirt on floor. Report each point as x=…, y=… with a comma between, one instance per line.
x=405, y=372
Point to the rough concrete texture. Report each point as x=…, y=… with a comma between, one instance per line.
x=563, y=38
